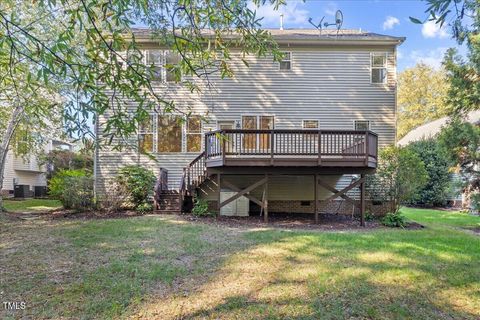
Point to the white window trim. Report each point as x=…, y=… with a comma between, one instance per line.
x=257, y=115
x=184, y=134
x=369, y=124
x=384, y=67
x=163, y=62
x=291, y=62
x=153, y=133
x=303, y=124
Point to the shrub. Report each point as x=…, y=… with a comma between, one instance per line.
x=74, y=188
x=400, y=176
x=144, y=208
x=139, y=183
x=435, y=191
x=394, y=220
x=200, y=208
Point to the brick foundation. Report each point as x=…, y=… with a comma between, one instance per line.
x=333, y=207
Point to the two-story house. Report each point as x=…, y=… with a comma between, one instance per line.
x=288, y=136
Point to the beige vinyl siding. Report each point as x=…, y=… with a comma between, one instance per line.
x=23, y=172
x=329, y=83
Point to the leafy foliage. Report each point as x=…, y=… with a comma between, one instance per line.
x=437, y=166
x=399, y=178
x=394, y=220
x=139, y=183
x=57, y=160
x=74, y=188
x=460, y=141
x=200, y=208
x=422, y=91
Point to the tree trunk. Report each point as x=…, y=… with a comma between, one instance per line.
x=6, y=137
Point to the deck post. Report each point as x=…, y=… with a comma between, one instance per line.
x=218, y=194
x=362, y=201
x=315, y=191
x=265, y=203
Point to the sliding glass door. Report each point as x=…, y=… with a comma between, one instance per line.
x=257, y=141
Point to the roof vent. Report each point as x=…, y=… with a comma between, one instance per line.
x=281, y=21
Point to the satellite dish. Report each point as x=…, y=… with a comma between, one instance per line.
x=338, y=19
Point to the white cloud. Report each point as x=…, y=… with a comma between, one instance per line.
x=331, y=8
x=294, y=14
x=433, y=57
x=390, y=22
x=430, y=29
x=399, y=54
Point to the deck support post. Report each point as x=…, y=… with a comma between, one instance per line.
x=265, y=200
x=219, y=189
x=362, y=201
x=315, y=191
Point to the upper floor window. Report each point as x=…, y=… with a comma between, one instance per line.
x=286, y=62
x=378, y=65
x=161, y=63
x=310, y=124
x=362, y=125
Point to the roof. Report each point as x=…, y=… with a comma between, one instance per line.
x=431, y=129
x=306, y=35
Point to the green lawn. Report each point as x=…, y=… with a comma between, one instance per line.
x=163, y=267
x=31, y=205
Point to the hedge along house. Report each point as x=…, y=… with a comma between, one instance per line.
x=292, y=136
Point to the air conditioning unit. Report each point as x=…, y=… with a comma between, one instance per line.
x=238, y=207
x=21, y=191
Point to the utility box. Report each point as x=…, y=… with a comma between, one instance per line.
x=238, y=207
x=21, y=191
x=40, y=191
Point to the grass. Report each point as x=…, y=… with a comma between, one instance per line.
x=163, y=267
x=31, y=205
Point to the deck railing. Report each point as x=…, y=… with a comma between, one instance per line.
x=281, y=143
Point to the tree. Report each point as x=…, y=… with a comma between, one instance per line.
x=84, y=49
x=460, y=141
x=437, y=166
x=463, y=18
x=422, y=91
x=399, y=178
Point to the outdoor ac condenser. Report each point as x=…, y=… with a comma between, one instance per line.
x=238, y=207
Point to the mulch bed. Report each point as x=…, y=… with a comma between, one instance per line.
x=299, y=221
x=328, y=222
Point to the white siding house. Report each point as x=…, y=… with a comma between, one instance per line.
x=326, y=82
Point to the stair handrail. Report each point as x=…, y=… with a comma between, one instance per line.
x=193, y=174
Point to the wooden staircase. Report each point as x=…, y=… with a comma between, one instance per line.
x=176, y=201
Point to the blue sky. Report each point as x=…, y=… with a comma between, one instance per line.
x=425, y=43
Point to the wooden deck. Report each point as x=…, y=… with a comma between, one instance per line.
x=291, y=148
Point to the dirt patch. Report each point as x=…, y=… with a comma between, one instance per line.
x=71, y=214
x=327, y=222
x=474, y=230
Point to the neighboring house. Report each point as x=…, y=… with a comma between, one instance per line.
x=281, y=134
x=431, y=130
x=27, y=170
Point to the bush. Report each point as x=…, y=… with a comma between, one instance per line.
x=200, y=208
x=145, y=208
x=400, y=176
x=435, y=191
x=114, y=198
x=74, y=189
x=394, y=220
x=139, y=183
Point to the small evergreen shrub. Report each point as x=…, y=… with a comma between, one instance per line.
x=74, y=189
x=200, y=208
x=139, y=183
x=394, y=220
x=145, y=208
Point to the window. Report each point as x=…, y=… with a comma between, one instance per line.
x=286, y=62
x=161, y=63
x=362, y=125
x=171, y=59
x=194, y=134
x=154, y=60
x=169, y=133
x=379, y=67
x=310, y=124
x=251, y=141
x=145, y=135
